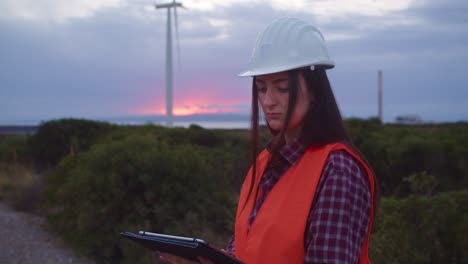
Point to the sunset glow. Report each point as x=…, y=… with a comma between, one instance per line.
x=197, y=96
x=191, y=107
x=186, y=110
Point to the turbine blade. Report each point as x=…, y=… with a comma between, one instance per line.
x=177, y=37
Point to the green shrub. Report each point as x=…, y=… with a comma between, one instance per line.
x=20, y=186
x=138, y=182
x=395, y=152
x=57, y=138
x=14, y=149
x=186, y=181
x=421, y=229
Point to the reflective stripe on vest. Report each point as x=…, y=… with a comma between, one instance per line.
x=277, y=234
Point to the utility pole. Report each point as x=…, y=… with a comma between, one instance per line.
x=380, y=94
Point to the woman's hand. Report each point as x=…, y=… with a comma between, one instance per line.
x=173, y=259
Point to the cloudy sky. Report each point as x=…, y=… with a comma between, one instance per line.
x=106, y=58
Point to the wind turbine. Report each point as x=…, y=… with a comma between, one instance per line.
x=173, y=5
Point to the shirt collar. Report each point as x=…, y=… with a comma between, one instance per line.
x=291, y=152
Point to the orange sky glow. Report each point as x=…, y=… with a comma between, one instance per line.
x=192, y=106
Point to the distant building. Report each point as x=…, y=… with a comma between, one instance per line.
x=409, y=119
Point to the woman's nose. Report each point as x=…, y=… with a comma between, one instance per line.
x=269, y=98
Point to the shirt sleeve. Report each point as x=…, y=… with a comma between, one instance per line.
x=340, y=214
x=230, y=247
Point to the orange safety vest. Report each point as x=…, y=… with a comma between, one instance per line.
x=277, y=234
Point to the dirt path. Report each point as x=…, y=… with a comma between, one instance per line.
x=24, y=240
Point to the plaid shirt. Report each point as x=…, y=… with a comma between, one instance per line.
x=338, y=220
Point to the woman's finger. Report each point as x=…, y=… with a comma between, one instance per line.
x=204, y=260
x=174, y=259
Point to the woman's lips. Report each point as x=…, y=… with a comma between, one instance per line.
x=273, y=115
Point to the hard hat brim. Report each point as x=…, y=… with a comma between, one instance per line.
x=324, y=65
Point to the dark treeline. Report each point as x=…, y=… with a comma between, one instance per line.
x=92, y=180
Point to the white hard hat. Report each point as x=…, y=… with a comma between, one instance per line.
x=285, y=44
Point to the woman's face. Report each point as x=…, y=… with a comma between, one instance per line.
x=273, y=96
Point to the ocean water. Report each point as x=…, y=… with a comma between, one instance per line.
x=217, y=124
x=238, y=123
x=29, y=128
x=204, y=124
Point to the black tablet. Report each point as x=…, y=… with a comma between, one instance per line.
x=186, y=247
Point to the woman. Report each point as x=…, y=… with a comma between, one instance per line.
x=309, y=197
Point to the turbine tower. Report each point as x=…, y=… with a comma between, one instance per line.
x=173, y=5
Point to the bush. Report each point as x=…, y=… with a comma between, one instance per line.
x=57, y=138
x=396, y=152
x=421, y=229
x=186, y=181
x=138, y=182
x=19, y=185
x=14, y=149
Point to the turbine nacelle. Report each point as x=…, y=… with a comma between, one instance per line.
x=168, y=5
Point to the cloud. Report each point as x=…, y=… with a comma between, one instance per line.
x=107, y=58
x=57, y=11
x=325, y=9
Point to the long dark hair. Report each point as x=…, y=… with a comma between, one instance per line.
x=322, y=124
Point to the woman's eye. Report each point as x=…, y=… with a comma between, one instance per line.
x=261, y=89
x=284, y=90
